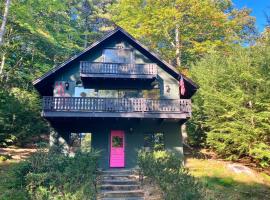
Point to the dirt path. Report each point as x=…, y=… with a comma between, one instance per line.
x=17, y=153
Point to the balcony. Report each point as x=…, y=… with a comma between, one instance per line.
x=117, y=70
x=116, y=107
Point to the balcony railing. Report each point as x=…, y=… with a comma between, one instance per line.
x=102, y=69
x=116, y=105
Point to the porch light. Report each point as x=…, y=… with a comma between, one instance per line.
x=67, y=85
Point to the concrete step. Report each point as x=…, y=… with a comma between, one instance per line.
x=119, y=182
x=122, y=194
x=120, y=187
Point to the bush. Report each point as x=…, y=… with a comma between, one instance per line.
x=54, y=175
x=5, y=157
x=166, y=169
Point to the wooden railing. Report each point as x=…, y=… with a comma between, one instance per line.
x=118, y=68
x=120, y=105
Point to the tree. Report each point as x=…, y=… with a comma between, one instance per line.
x=232, y=104
x=39, y=35
x=184, y=30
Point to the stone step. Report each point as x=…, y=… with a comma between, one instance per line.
x=117, y=177
x=122, y=194
x=117, y=172
x=119, y=182
x=120, y=187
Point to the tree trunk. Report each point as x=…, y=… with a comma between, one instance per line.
x=2, y=64
x=184, y=133
x=178, y=54
x=4, y=21
x=177, y=46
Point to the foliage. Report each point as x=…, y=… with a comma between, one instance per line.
x=233, y=103
x=19, y=117
x=39, y=35
x=190, y=26
x=167, y=171
x=5, y=157
x=86, y=142
x=54, y=175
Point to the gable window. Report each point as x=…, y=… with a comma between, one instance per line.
x=117, y=55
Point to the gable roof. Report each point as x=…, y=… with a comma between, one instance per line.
x=39, y=82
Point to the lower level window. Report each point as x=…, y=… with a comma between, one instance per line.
x=154, y=141
x=80, y=141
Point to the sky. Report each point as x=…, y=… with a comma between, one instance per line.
x=259, y=8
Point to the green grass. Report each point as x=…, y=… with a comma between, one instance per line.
x=222, y=184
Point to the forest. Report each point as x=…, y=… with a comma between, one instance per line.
x=210, y=41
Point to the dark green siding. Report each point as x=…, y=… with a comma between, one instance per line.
x=71, y=74
x=134, y=129
x=134, y=133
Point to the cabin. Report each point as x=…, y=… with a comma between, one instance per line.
x=122, y=94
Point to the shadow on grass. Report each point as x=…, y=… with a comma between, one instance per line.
x=229, y=189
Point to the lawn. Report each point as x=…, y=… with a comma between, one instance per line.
x=222, y=183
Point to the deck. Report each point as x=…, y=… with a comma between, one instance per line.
x=116, y=107
x=117, y=70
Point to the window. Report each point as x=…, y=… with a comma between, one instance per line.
x=82, y=92
x=117, y=141
x=80, y=141
x=154, y=141
x=117, y=55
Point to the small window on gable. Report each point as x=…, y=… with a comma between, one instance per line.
x=154, y=141
x=117, y=55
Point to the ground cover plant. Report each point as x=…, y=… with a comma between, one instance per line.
x=167, y=171
x=52, y=175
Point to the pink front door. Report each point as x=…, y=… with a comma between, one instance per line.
x=117, y=156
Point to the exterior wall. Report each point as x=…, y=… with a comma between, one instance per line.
x=134, y=129
x=167, y=84
x=134, y=139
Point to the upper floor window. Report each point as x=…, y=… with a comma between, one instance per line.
x=117, y=55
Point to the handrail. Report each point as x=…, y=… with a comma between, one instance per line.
x=97, y=104
x=87, y=67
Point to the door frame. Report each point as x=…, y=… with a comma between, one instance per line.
x=124, y=147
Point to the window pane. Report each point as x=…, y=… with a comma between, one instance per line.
x=154, y=141
x=117, y=55
x=117, y=141
x=124, y=56
x=111, y=55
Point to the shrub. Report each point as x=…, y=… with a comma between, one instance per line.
x=166, y=169
x=54, y=175
x=5, y=157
